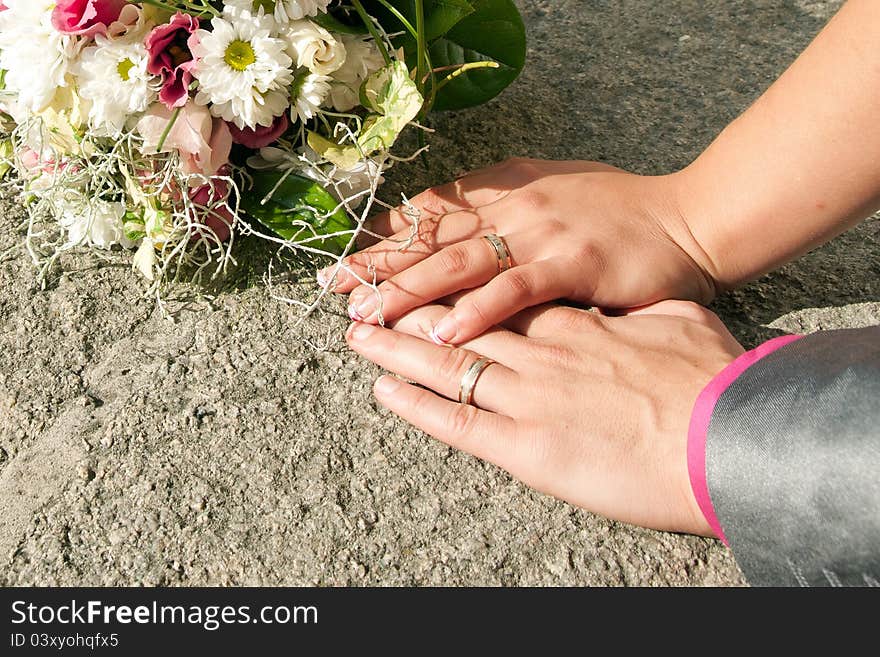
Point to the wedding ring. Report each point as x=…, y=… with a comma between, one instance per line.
x=501, y=252
x=470, y=378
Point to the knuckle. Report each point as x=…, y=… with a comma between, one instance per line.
x=462, y=420
x=591, y=255
x=694, y=311
x=552, y=354
x=475, y=313
x=579, y=321
x=532, y=198
x=454, y=260
x=432, y=201
x=553, y=226
x=451, y=366
x=522, y=164
x=519, y=284
x=419, y=405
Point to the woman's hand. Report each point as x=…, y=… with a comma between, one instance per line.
x=591, y=409
x=576, y=230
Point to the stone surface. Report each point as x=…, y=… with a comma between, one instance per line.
x=222, y=449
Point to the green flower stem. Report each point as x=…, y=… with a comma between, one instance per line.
x=464, y=68
x=421, y=44
x=167, y=130
x=371, y=27
x=399, y=16
x=202, y=10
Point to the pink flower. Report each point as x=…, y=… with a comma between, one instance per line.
x=3, y=6
x=170, y=58
x=204, y=143
x=86, y=17
x=212, y=200
x=261, y=136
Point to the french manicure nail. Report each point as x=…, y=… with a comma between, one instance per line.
x=323, y=277
x=445, y=331
x=353, y=313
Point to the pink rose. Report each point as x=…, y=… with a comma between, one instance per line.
x=86, y=17
x=171, y=59
x=262, y=135
x=204, y=143
x=212, y=200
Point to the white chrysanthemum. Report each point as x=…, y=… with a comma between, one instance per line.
x=243, y=70
x=284, y=11
x=35, y=56
x=113, y=77
x=93, y=223
x=363, y=59
x=307, y=95
x=294, y=10
x=313, y=47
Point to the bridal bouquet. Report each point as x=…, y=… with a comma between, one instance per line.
x=168, y=127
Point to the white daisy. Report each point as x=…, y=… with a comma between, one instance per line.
x=308, y=94
x=35, y=56
x=362, y=60
x=113, y=77
x=242, y=68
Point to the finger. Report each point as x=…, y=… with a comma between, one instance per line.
x=393, y=255
x=485, y=435
x=440, y=369
x=549, y=320
x=497, y=343
x=685, y=309
x=462, y=266
x=508, y=293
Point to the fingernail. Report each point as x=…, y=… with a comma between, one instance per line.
x=360, y=332
x=366, y=307
x=324, y=276
x=445, y=331
x=353, y=313
x=386, y=385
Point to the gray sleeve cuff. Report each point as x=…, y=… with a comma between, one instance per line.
x=793, y=462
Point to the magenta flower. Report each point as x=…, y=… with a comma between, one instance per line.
x=260, y=136
x=171, y=59
x=85, y=17
x=212, y=200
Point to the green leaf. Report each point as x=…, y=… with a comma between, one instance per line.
x=332, y=24
x=6, y=151
x=297, y=199
x=344, y=157
x=394, y=99
x=440, y=15
x=494, y=31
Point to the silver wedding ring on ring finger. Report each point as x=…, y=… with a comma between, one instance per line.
x=502, y=253
x=469, y=380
